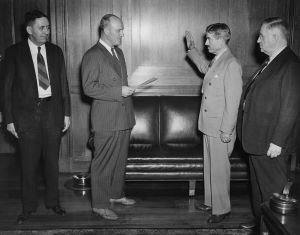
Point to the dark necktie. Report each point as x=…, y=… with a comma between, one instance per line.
x=114, y=53
x=211, y=62
x=42, y=72
x=253, y=79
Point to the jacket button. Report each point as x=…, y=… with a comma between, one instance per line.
x=114, y=79
x=205, y=110
x=204, y=97
x=209, y=83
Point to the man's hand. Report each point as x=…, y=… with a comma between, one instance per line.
x=225, y=138
x=189, y=40
x=127, y=91
x=274, y=150
x=11, y=128
x=67, y=122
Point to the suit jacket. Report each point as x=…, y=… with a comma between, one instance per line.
x=102, y=79
x=20, y=86
x=221, y=92
x=272, y=106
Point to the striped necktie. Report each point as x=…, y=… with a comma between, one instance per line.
x=42, y=72
x=253, y=79
x=114, y=53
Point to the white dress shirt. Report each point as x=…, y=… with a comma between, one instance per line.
x=107, y=47
x=34, y=51
x=276, y=54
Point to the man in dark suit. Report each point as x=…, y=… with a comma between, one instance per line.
x=104, y=78
x=37, y=109
x=268, y=113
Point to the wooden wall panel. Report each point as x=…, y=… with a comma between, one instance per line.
x=295, y=22
x=153, y=45
x=20, y=7
x=162, y=25
x=6, y=29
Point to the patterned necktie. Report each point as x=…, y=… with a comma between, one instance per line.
x=42, y=72
x=114, y=53
x=253, y=79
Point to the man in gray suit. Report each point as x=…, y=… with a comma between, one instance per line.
x=221, y=92
x=104, y=78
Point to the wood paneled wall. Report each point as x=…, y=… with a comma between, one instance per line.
x=153, y=45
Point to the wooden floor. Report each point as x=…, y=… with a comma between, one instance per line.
x=161, y=208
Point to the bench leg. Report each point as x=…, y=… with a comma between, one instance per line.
x=192, y=188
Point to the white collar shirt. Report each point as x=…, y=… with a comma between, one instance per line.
x=107, y=47
x=34, y=51
x=276, y=54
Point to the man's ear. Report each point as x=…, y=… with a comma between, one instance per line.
x=29, y=29
x=276, y=34
x=106, y=31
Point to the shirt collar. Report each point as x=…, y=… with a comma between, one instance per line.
x=105, y=45
x=221, y=53
x=34, y=47
x=276, y=53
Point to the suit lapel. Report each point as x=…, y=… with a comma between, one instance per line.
x=50, y=61
x=29, y=64
x=111, y=60
x=274, y=65
x=271, y=68
x=28, y=58
x=216, y=65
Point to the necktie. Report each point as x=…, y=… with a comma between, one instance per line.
x=253, y=79
x=42, y=72
x=211, y=62
x=114, y=53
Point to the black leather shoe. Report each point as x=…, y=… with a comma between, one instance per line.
x=217, y=218
x=58, y=210
x=23, y=217
x=203, y=207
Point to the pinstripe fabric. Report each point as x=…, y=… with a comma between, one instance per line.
x=217, y=173
x=102, y=81
x=112, y=119
x=108, y=166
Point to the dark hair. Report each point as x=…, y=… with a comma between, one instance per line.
x=220, y=30
x=106, y=20
x=277, y=22
x=30, y=16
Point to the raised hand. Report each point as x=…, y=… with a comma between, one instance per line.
x=189, y=40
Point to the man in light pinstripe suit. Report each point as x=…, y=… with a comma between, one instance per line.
x=104, y=78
